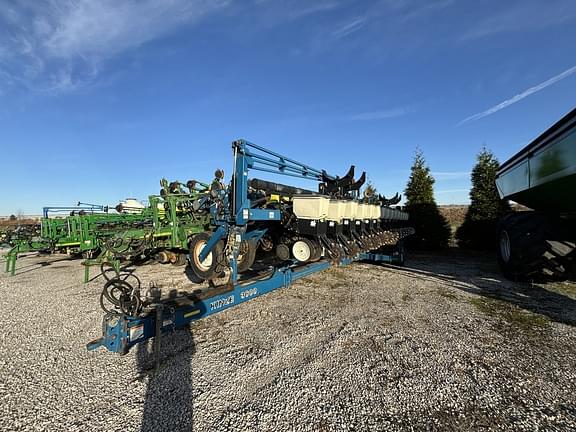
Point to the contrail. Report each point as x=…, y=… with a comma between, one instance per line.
x=520, y=96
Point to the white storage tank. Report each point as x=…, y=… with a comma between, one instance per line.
x=351, y=210
x=131, y=205
x=311, y=206
x=336, y=210
x=364, y=212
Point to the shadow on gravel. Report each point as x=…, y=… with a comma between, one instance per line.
x=478, y=273
x=32, y=267
x=169, y=396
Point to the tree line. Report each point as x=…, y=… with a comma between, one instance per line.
x=478, y=230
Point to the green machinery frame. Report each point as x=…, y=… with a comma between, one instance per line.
x=166, y=224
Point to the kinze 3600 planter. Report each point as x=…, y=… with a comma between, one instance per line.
x=541, y=176
x=294, y=232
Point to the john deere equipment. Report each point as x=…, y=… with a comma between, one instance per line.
x=83, y=233
x=161, y=230
x=172, y=218
x=542, y=176
x=263, y=236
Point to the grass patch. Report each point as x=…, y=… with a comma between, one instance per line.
x=510, y=314
x=567, y=289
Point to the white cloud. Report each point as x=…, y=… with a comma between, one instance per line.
x=58, y=46
x=351, y=27
x=314, y=8
x=526, y=15
x=520, y=96
x=380, y=115
x=426, y=10
x=105, y=27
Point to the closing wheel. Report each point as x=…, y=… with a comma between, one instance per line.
x=302, y=250
x=246, y=255
x=316, y=252
x=203, y=269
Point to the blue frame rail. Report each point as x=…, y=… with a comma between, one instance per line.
x=121, y=332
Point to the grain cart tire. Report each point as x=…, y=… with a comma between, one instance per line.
x=204, y=269
x=527, y=248
x=246, y=256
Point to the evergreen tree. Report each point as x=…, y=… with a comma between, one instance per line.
x=480, y=224
x=432, y=229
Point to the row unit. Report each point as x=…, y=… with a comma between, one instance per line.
x=323, y=208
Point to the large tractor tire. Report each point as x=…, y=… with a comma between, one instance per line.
x=208, y=268
x=532, y=245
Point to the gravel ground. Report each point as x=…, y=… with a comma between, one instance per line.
x=441, y=344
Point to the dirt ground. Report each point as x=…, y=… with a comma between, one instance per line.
x=443, y=343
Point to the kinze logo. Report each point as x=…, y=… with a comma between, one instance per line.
x=222, y=302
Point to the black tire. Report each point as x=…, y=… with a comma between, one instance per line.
x=401, y=250
x=221, y=263
x=206, y=269
x=283, y=252
x=181, y=259
x=530, y=247
x=316, y=252
x=246, y=256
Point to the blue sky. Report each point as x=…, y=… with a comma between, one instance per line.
x=100, y=99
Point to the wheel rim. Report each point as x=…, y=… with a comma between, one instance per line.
x=505, y=246
x=207, y=263
x=301, y=251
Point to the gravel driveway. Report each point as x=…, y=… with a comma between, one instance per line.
x=442, y=344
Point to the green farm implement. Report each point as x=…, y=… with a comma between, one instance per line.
x=160, y=230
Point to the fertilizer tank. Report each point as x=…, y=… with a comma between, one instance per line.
x=130, y=205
